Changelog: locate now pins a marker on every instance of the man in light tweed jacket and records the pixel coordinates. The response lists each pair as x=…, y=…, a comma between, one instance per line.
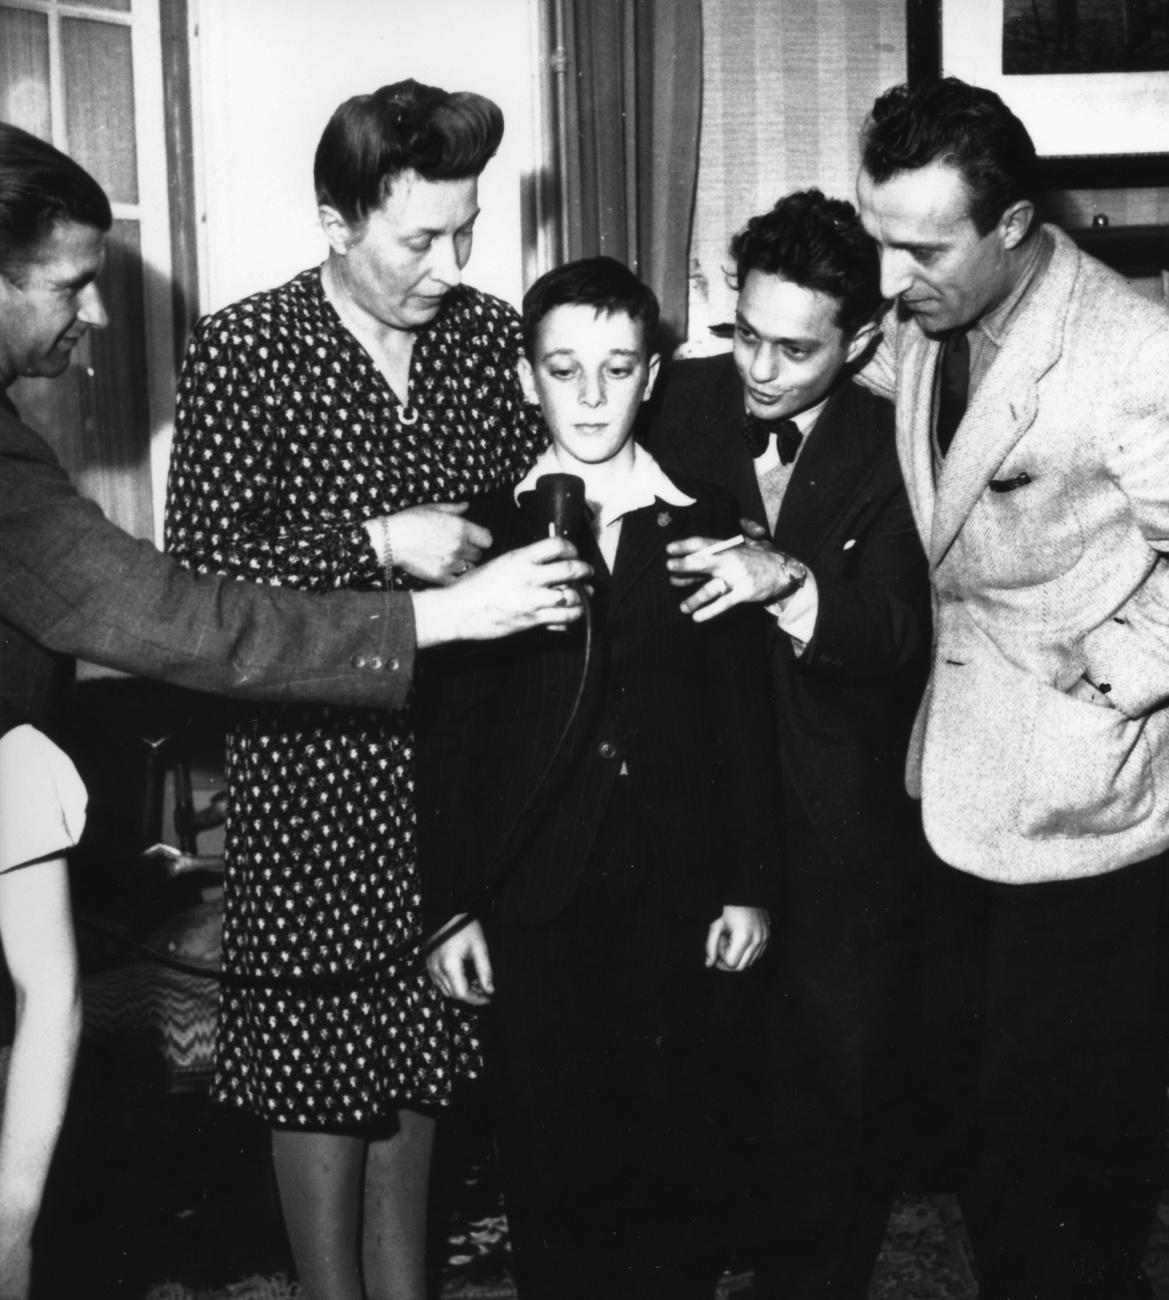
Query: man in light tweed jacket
x=1032, y=393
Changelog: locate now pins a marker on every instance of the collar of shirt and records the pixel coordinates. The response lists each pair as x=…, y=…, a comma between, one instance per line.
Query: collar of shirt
x=988, y=333
x=645, y=483
x=805, y=421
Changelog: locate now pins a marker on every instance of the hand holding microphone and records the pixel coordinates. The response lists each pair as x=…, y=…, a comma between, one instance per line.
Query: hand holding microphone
x=560, y=500
x=535, y=586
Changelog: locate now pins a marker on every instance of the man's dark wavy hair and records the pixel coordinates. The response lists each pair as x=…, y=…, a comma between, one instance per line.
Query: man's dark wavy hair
x=964, y=126
x=603, y=283
x=818, y=243
x=40, y=187
x=372, y=139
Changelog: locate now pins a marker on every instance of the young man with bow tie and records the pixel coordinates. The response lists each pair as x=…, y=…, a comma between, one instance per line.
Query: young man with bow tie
x=834, y=557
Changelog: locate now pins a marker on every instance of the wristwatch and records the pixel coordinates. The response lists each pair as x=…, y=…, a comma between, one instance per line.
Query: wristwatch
x=797, y=574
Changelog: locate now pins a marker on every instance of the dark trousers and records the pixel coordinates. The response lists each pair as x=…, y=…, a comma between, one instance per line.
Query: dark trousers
x=843, y=1022
x=607, y=1050
x=1046, y=1040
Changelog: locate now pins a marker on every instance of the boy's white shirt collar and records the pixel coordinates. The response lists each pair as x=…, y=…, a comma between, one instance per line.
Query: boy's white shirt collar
x=645, y=484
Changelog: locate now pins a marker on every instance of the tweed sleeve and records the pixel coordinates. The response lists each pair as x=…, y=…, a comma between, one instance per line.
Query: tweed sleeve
x=1129, y=651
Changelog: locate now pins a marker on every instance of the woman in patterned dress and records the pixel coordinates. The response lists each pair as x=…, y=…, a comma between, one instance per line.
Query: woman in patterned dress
x=328, y=433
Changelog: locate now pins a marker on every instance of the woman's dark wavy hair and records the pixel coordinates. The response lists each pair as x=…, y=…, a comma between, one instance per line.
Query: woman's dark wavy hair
x=818, y=243
x=39, y=188
x=964, y=126
x=603, y=283
x=372, y=139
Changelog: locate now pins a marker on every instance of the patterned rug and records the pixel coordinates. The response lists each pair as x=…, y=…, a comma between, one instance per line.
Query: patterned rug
x=926, y=1256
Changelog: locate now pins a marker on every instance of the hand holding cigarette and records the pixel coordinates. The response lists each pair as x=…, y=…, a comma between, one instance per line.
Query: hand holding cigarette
x=734, y=571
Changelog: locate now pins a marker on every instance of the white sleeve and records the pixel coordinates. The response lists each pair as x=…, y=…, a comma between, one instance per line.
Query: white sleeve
x=796, y=614
x=42, y=798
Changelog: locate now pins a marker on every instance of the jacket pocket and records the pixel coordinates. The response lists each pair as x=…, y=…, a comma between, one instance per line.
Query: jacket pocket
x=1089, y=770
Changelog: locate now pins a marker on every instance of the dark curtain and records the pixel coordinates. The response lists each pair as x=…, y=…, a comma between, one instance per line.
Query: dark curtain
x=631, y=105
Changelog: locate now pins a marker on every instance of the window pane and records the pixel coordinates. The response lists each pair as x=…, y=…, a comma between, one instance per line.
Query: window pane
x=99, y=103
x=122, y=6
x=24, y=71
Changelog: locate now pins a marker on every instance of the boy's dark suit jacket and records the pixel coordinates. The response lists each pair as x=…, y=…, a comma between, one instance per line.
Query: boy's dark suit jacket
x=684, y=707
x=846, y=706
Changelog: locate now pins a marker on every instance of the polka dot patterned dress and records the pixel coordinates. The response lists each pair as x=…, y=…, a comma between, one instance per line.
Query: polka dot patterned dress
x=287, y=438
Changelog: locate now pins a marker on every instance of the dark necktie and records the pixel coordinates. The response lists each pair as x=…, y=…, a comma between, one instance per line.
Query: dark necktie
x=953, y=388
x=757, y=434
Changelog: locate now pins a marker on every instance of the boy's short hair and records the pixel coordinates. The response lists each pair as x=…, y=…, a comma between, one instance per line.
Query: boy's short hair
x=602, y=283
x=817, y=243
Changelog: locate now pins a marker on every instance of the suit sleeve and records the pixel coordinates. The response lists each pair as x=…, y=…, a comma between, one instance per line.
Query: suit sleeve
x=745, y=757
x=879, y=374
x=79, y=585
x=453, y=730
x=872, y=620
x=1130, y=650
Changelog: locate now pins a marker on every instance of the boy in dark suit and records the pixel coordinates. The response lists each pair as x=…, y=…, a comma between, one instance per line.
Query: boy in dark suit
x=836, y=559
x=614, y=853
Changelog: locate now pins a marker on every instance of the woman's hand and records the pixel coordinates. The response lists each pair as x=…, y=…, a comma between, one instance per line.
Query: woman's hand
x=433, y=542
x=521, y=589
x=737, y=939
x=461, y=967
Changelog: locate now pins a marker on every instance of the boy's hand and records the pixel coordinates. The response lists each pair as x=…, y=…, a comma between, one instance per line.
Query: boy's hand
x=461, y=967
x=737, y=939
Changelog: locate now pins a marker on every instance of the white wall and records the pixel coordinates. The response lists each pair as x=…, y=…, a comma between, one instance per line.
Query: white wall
x=268, y=74
x=786, y=87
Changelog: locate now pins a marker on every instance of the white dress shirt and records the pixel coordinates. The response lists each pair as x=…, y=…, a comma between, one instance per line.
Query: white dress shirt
x=42, y=799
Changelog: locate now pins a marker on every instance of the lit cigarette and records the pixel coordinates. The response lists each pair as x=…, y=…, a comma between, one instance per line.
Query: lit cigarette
x=718, y=547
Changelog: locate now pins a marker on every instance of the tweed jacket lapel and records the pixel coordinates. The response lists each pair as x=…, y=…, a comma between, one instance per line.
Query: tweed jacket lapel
x=826, y=476
x=1001, y=412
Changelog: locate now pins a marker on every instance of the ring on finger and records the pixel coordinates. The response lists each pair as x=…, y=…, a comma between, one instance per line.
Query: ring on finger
x=724, y=588
x=563, y=600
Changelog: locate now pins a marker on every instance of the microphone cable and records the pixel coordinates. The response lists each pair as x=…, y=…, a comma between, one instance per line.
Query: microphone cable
x=497, y=875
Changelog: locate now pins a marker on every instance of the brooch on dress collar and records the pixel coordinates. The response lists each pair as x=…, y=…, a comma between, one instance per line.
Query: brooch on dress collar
x=665, y=519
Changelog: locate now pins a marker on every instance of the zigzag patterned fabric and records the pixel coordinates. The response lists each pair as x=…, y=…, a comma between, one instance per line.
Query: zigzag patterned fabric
x=178, y=1009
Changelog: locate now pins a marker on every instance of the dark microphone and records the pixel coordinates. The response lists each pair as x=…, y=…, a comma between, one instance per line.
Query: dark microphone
x=560, y=498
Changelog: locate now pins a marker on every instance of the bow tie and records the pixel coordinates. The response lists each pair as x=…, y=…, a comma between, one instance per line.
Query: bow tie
x=757, y=433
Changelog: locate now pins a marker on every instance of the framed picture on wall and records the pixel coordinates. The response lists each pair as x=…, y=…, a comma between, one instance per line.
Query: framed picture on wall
x=1090, y=78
